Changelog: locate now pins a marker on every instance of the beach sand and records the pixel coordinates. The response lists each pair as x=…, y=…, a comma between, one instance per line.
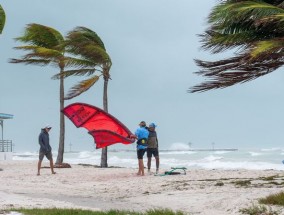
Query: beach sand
x=87, y=187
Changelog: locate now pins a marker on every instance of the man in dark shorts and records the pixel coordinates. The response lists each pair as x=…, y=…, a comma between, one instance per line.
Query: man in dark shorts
x=45, y=148
x=152, y=148
x=141, y=134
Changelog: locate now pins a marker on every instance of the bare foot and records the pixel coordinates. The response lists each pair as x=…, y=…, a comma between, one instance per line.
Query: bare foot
x=53, y=172
x=37, y=174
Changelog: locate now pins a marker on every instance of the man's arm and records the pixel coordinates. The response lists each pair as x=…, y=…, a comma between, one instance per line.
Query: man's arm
x=41, y=143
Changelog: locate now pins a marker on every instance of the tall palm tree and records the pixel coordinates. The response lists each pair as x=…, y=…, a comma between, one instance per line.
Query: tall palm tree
x=255, y=30
x=2, y=19
x=95, y=62
x=45, y=46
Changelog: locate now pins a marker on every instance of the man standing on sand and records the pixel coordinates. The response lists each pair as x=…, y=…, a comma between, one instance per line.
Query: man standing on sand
x=45, y=148
x=152, y=148
x=141, y=134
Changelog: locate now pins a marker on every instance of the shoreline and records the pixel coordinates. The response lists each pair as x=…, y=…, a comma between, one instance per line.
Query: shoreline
x=89, y=187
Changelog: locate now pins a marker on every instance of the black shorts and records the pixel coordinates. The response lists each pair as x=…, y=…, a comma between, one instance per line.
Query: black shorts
x=140, y=153
x=48, y=155
x=152, y=151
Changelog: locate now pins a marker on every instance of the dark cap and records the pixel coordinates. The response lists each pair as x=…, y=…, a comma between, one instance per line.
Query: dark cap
x=142, y=123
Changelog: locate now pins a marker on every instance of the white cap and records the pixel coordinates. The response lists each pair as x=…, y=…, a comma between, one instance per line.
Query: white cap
x=46, y=126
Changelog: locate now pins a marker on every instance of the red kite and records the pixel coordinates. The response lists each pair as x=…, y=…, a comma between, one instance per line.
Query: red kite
x=105, y=128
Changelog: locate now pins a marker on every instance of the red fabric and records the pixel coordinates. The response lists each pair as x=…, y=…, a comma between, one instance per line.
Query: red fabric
x=105, y=128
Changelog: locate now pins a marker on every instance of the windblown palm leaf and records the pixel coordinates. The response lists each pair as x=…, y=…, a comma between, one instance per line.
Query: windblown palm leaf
x=44, y=43
x=255, y=28
x=2, y=19
x=86, y=45
x=82, y=87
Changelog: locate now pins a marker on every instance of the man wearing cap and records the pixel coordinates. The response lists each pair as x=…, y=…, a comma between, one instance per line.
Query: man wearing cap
x=152, y=148
x=45, y=148
x=141, y=134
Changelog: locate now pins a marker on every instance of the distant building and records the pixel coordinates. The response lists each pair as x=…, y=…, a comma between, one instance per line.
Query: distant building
x=6, y=146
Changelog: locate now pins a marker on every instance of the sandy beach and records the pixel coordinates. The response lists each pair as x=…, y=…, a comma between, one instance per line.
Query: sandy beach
x=88, y=187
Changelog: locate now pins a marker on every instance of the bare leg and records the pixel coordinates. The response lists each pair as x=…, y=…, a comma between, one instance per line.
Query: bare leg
x=139, y=173
x=157, y=164
x=38, y=167
x=141, y=167
x=51, y=166
x=149, y=164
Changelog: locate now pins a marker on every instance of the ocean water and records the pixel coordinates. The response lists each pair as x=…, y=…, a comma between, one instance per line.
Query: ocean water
x=257, y=159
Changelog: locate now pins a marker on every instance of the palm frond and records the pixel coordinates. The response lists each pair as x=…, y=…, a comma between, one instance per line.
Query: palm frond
x=89, y=51
x=264, y=49
x=79, y=62
x=227, y=13
x=41, y=52
x=236, y=70
x=256, y=29
x=82, y=35
x=40, y=35
x=87, y=44
x=81, y=87
x=77, y=72
x=239, y=23
x=2, y=19
x=216, y=42
x=40, y=62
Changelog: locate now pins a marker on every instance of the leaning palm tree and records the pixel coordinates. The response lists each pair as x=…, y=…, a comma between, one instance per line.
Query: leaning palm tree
x=254, y=30
x=2, y=19
x=45, y=46
x=95, y=63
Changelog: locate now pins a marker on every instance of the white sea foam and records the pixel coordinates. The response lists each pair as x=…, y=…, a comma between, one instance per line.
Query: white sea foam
x=212, y=158
x=255, y=153
x=221, y=152
x=177, y=153
x=257, y=159
x=179, y=147
x=85, y=154
x=271, y=149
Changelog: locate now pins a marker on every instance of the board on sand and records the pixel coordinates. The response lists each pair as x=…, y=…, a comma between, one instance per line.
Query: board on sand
x=174, y=171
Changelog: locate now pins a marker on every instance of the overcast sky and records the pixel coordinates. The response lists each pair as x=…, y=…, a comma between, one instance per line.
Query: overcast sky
x=152, y=45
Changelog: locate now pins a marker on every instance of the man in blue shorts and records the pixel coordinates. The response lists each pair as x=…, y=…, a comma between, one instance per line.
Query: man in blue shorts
x=152, y=148
x=45, y=148
x=141, y=134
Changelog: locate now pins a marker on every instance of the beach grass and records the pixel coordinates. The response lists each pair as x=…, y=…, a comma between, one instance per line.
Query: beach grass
x=274, y=199
x=243, y=183
x=259, y=210
x=57, y=211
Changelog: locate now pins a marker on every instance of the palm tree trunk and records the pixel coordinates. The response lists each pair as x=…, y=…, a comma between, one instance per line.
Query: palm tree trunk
x=105, y=104
x=59, y=159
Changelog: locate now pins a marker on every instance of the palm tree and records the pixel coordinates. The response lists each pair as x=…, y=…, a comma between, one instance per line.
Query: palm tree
x=45, y=46
x=2, y=19
x=88, y=46
x=254, y=30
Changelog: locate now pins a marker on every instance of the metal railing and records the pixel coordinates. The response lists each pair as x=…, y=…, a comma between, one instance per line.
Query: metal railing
x=6, y=146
